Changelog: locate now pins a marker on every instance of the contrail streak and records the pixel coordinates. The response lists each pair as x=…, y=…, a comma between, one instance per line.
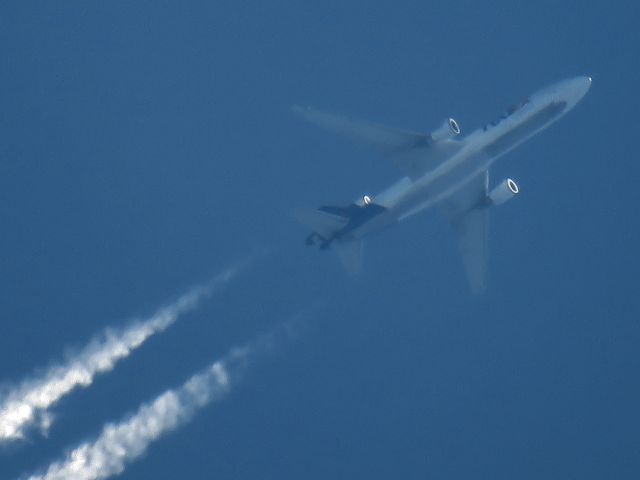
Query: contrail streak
x=27, y=404
x=121, y=443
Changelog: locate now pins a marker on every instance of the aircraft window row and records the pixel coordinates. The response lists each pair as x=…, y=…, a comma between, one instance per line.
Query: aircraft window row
x=510, y=111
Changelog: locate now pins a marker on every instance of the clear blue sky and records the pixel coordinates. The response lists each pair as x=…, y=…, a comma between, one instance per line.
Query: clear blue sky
x=145, y=145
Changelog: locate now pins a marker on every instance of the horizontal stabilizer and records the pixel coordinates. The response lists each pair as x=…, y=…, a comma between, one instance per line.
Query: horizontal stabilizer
x=350, y=254
x=323, y=223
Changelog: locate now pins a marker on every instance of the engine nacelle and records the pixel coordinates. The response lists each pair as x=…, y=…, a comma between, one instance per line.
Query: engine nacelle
x=503, y=192
x=448, y=129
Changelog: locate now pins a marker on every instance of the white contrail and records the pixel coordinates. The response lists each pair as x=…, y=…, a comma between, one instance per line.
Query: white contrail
x=27, y=404
x=121, y=443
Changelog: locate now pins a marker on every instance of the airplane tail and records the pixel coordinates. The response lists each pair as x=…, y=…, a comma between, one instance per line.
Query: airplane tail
x=324, y=226
x=323, y=223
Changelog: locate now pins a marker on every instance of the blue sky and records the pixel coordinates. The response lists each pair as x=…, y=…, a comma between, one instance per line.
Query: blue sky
x=148, y=146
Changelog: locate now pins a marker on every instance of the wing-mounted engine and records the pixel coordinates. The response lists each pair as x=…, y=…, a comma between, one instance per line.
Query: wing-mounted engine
x=448, y=129
x=506, y=190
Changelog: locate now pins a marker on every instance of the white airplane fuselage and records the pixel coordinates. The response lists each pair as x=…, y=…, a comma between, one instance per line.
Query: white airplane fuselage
x=477, y=152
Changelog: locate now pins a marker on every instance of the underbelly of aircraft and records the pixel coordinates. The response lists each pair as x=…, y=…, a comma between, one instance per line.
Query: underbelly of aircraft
x=432, y=189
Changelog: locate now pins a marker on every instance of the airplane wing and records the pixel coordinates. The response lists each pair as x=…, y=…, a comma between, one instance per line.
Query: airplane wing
x=414, y=153
x=469, y=220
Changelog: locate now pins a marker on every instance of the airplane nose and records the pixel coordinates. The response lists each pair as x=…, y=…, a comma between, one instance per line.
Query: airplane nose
x=573, y=90
x=586, y=82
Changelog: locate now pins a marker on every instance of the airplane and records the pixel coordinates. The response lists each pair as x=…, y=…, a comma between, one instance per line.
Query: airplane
x=439, y=170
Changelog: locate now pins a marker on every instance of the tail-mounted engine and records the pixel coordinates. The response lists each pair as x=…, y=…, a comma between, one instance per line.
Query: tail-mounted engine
x=506, y=190
x=448, y=129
